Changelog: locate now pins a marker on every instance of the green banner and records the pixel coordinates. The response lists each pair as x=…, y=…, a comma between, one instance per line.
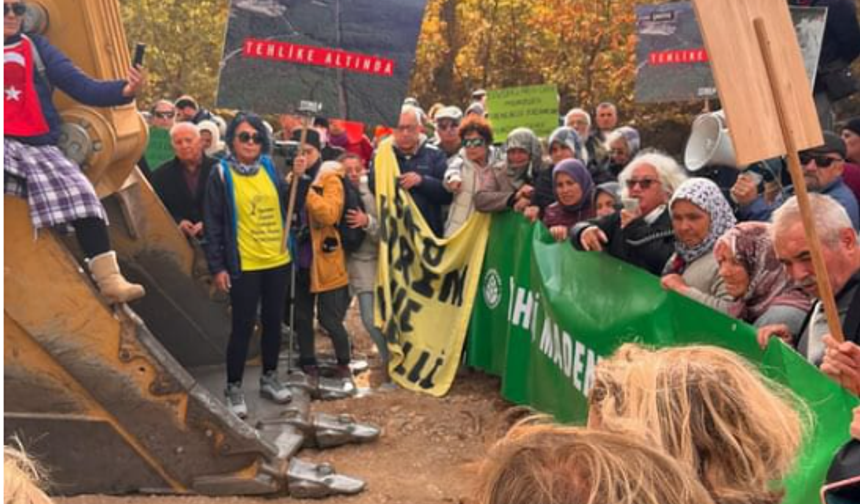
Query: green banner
x=159, y=149
x=546, y=314
x=533, y=107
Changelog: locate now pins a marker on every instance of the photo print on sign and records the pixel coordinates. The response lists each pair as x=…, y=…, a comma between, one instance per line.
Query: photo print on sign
x=354, y=57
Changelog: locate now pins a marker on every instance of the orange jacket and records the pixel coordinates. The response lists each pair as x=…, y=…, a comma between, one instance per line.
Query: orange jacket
x=324, y=205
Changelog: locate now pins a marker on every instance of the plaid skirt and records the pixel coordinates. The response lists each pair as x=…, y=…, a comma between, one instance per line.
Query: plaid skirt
x=56, y=190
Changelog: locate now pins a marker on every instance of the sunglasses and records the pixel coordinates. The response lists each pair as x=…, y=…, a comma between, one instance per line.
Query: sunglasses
x=246, y=137
x=17, y=8
x=474, y=142
x=164, y=115
x=821, y=160
x=643, y=183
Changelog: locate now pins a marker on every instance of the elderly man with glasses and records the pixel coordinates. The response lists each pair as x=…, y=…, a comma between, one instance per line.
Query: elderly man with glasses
x=822, y=166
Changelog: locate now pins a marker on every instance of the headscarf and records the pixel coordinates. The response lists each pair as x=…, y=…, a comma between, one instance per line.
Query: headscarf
x=579, y=173
x=631, y=135
x=751, y=245
x=706, y=195
x=569, y=138
x=524, y=138
x=213, y=129
x=613, y=189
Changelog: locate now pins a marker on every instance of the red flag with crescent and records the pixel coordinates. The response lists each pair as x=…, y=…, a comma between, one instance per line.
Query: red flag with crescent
x=22, y=111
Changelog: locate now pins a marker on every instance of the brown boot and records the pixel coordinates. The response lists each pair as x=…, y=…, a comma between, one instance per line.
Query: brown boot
x=113, y=286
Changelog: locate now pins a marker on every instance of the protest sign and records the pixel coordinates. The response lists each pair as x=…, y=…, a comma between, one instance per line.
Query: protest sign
x=159, y=150
x=355, y=57
x=545, y=315
x=533, y=107
x=425, y=285
x=671, y=60
x=748, y=90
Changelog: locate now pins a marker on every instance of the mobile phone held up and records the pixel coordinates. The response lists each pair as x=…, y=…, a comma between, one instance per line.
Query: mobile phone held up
x=139, y=51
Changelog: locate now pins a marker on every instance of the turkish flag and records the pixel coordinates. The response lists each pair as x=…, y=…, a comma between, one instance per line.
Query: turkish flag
x=22, y=111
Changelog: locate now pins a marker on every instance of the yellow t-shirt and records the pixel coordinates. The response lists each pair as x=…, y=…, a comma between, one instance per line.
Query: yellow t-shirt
x=260, y=227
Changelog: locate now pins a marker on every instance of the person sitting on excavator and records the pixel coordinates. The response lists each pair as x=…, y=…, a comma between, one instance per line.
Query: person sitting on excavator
x=56, y=190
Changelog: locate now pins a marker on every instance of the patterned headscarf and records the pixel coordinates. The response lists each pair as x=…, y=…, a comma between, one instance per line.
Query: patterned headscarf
x=751, y=245
x=706, y=195
x=579, y=173
x=524, y=138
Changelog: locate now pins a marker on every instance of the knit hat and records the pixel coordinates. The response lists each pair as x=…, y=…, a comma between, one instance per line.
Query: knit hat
x=853, y=126
x=312, y=138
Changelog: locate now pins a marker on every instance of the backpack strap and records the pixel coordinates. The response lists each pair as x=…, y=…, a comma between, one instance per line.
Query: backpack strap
x=38, y=62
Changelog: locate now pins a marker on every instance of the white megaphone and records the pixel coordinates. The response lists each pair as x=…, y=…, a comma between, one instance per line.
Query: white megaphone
x=709, y=143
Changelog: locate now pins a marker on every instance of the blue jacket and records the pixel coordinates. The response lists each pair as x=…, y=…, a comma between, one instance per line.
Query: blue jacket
x=219, y=216
x=62, y=73
x=759, y=210
x=430, y=195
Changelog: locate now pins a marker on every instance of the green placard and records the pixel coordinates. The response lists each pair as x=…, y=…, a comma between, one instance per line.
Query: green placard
x=159, y=150
x=533, y=107
x=545, y=314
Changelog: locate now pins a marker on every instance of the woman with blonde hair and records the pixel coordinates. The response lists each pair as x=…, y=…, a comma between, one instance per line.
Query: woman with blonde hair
x=22, y=479
x=707, y=407
x=549, y=464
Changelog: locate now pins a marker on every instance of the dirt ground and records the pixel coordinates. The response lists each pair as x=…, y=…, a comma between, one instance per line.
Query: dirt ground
x=427, y=452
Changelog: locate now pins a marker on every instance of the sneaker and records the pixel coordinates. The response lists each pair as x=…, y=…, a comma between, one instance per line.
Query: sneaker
x=236, y=400
x=272, y=389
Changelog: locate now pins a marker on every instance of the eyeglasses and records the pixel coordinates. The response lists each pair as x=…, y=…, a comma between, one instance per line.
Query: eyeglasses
x=246, y=137
x=474, y=142
x=17, y=8
x=447, y=125
x=643, y=183
x=821, y=160
x=164, y=115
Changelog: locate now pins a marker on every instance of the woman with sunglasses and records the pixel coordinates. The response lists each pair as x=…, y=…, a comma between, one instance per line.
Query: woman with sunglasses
x=463, y=179
x=641, y=233
x=56, y=190
x=244, y=219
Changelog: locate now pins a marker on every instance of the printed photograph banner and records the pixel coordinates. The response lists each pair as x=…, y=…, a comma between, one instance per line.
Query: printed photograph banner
x=425, y=285
x=354, y=57
x=543, y=323
x=672, y=63
x=533, y=107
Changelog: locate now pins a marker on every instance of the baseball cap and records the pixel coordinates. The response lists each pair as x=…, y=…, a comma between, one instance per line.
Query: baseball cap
x=833, y=144
x=453, y=113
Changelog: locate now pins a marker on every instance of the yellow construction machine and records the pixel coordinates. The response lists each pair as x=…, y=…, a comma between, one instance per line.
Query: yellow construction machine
x=127, y=398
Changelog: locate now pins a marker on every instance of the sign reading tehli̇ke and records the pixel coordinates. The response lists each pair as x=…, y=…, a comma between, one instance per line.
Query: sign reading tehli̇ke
x=353, y=57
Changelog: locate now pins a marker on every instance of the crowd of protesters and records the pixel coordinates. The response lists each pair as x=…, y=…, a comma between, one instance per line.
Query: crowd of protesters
x=716, y=429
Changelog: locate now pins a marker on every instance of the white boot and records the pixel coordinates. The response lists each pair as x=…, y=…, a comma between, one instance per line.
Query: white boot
x=113, y=286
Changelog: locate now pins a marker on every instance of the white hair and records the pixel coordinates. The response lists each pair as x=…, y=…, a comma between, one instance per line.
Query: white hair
x=579, y=111
x=669, y=172
x=415, y=111
x=178, y=127
x=828, y=216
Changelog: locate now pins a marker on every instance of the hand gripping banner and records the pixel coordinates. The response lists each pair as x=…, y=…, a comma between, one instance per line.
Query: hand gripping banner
x=425, y=284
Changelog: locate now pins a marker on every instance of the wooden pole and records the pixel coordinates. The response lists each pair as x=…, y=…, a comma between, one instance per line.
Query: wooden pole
x=294, y=187
x=825, y=290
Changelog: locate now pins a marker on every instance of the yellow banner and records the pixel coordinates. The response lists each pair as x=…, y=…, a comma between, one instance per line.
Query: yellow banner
x=425, y=286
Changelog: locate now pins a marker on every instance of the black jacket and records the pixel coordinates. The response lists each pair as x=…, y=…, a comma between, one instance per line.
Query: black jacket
x=169, y=182
x=640, y=244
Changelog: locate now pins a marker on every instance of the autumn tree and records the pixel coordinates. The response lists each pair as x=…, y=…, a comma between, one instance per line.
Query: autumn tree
x=184, y=43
